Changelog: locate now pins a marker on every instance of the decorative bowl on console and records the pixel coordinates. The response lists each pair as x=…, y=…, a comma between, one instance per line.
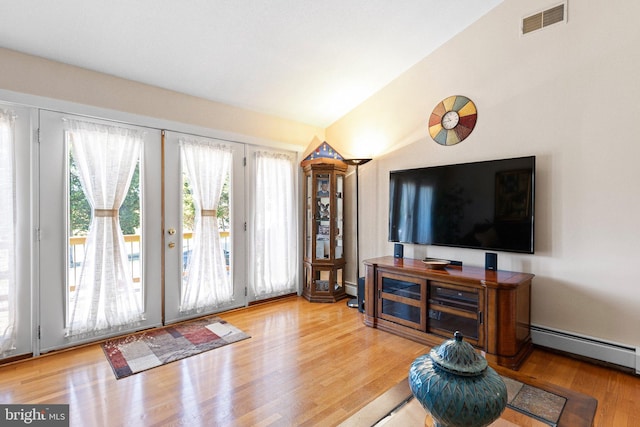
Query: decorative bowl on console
x=435, y=263
x=456, y=385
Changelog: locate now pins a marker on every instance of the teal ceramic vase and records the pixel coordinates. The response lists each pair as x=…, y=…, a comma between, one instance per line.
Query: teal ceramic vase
x=458, y=388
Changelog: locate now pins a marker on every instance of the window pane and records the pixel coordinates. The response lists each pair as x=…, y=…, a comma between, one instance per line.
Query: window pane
x=80, y=219
x=188, y=223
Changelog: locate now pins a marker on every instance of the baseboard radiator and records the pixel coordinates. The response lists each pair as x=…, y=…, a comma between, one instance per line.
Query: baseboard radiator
x=593, y=348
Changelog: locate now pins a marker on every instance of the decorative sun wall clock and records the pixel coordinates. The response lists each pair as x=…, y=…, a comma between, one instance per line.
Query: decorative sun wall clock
x=452, y=120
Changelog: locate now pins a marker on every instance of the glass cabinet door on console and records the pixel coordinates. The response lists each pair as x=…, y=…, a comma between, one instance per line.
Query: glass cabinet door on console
x=456, y=308
x=402, y=299
x=324, y=230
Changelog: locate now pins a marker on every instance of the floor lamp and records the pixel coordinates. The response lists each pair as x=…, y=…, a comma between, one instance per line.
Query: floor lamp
x=353, y=302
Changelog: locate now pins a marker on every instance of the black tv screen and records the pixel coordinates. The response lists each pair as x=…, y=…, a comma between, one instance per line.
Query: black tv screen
x=483, y=205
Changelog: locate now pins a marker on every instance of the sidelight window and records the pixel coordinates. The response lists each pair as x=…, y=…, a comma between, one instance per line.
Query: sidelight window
x=8, y=289
x=274, y=226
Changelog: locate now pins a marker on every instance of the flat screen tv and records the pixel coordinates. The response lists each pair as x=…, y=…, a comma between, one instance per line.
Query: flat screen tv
x=486, y=205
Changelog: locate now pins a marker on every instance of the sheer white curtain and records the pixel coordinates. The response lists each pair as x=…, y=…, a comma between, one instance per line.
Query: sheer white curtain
x=106, y=157
x=8, y=284
x=274, y=225
x=206, y=163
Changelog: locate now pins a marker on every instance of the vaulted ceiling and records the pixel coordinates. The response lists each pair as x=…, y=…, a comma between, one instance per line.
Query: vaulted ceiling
x=309, y=61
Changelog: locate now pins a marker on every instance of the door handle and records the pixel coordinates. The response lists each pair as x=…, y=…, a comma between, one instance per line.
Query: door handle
x=171, y=231
x=172, y=245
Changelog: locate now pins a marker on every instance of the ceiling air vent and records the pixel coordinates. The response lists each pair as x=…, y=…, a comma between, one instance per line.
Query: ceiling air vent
x=544, y=19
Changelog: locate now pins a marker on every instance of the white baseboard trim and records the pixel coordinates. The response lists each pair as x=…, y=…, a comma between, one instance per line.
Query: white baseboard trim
x=351, y=288
x=593, y=348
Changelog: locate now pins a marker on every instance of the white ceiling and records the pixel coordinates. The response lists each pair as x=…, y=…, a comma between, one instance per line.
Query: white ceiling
x=309, y=61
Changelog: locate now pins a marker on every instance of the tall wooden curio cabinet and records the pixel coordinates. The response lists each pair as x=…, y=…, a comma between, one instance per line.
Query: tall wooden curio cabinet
x=324, y=257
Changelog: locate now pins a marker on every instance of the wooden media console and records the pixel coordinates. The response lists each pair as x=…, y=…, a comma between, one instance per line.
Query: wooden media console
x=492, y=309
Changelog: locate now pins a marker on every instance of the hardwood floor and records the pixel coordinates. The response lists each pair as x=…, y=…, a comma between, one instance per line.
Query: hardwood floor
x=306, y=364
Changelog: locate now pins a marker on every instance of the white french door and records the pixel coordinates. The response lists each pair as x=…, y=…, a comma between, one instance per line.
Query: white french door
x=16, y=308
x=97, y=255
x=204, y=238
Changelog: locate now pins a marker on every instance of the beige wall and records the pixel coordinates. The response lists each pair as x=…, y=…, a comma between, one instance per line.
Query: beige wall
x=31, y=75
x=569, y=95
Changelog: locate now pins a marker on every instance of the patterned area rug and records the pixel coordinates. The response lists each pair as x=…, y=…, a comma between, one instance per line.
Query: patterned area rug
x=141, y=351
x=534, y=402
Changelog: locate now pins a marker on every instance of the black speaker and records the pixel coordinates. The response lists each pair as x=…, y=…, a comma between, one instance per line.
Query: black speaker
x=491, y=261
x=361, y=294
x=398, y=250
